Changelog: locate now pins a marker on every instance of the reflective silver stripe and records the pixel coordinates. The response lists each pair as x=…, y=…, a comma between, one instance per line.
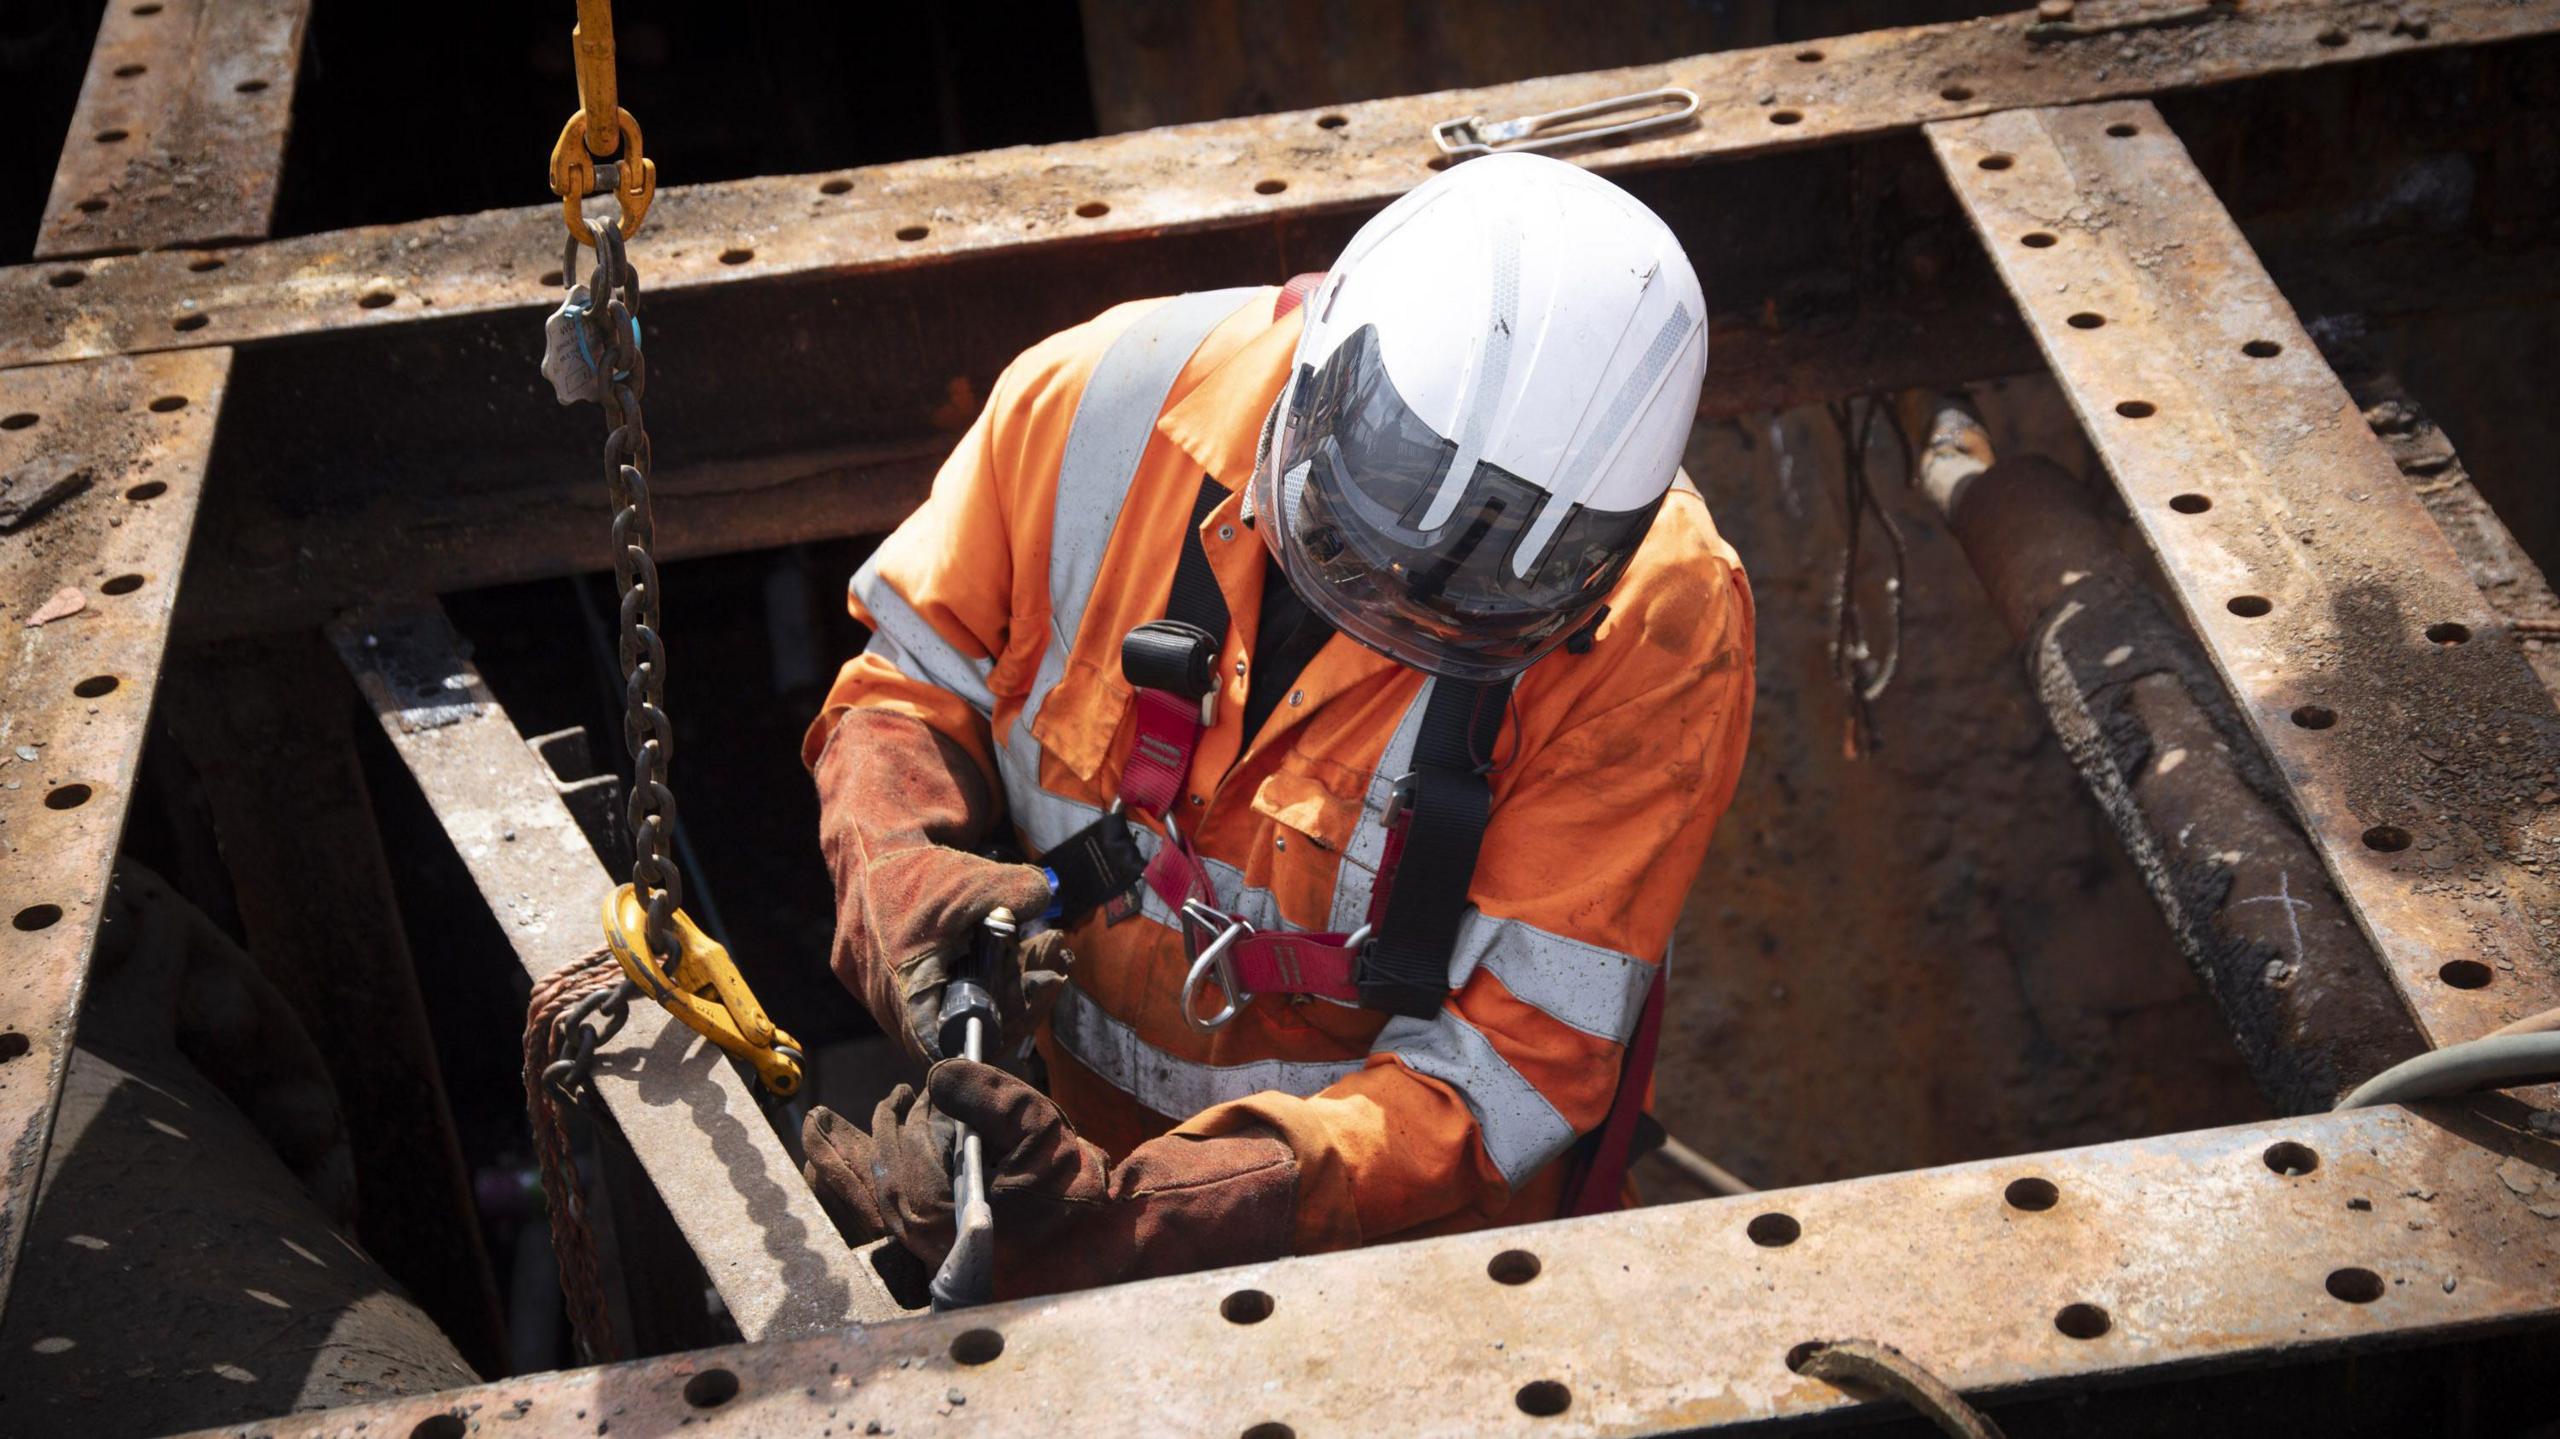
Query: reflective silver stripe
x=1596, y=449
x=1521, y=1130
x=1598, y=991
x=1492, y=367
x=919, y=651
x=1359, y=868
x=1115, y=417
x=1173, y=1087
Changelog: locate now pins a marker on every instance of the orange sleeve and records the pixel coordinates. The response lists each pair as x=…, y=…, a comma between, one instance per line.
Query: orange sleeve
x=1598, y=829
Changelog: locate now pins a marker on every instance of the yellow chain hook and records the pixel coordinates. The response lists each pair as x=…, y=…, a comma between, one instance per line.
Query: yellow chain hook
x=706, y=992
x=596, y=130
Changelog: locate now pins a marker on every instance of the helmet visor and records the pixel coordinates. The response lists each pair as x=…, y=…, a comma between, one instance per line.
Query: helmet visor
x=1342, y=493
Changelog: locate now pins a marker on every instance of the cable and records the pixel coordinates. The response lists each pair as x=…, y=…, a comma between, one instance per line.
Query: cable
x=1700, y=1170
x=2497, y=1062
x=1866, y=1369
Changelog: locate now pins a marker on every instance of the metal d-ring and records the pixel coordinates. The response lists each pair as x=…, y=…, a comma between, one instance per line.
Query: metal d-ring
x=1214, y=956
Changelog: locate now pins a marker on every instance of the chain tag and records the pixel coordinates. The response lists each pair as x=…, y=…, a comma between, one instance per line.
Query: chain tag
x=566, y=347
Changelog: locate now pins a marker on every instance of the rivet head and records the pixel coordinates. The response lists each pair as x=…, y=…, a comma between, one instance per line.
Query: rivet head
x=1280, y=842
x=1297, y=697
x=1226, y=532
x=1239, y=667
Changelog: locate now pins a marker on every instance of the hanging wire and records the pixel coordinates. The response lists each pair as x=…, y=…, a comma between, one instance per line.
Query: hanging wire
x=1864, y=669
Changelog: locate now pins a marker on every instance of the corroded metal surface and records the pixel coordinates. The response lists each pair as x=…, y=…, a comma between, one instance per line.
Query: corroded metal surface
x=2114, y=1263
x=770, y=1252
x=1232, y=174
x=178, y=138
x=2411, y=733
x=122, y=443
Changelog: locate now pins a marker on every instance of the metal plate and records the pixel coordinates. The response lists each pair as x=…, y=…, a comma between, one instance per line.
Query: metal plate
x=2414, y=737
x=178, y=138
x=1680, y=1318
x=1230, y=174
x=75, y=693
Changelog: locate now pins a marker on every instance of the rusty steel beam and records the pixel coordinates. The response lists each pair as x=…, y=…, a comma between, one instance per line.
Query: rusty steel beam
x=2117, y=1264
x=1223, y=175
x=102, y=467
x=768, y=1249
x=2405, y=723
x=178, y=137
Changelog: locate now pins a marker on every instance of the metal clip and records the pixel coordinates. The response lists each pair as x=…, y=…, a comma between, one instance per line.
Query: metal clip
x=1213, y=957
x=1475, y=135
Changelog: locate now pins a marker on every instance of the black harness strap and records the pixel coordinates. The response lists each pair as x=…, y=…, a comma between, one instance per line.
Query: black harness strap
x=1406, y=969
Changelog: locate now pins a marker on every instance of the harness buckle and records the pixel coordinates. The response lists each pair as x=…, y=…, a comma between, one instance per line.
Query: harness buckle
x=1196, y=918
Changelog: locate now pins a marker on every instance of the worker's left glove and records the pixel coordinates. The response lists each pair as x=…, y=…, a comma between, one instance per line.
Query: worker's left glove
x=1066, y=1217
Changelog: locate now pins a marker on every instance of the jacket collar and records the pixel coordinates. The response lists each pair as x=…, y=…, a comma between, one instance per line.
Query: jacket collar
x=1220, y=421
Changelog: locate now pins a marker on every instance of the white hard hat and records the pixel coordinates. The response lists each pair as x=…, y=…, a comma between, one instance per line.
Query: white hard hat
x=1487, y=405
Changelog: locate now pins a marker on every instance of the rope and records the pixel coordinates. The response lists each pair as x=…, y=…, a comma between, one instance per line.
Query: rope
x=559, y=1045
x=1865, y=1369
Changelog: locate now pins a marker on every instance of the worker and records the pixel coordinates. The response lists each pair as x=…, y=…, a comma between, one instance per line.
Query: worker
x=1363, y=680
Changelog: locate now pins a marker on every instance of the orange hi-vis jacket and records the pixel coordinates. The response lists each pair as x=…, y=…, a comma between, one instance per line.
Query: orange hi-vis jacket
x=997, y=612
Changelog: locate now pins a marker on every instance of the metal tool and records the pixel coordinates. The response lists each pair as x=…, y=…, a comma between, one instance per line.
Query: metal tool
x=967, y=1275
x=1475, y=135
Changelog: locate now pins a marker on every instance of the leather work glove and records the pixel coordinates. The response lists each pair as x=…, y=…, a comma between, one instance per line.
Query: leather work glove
x=1066, y=1217
x=900, y=807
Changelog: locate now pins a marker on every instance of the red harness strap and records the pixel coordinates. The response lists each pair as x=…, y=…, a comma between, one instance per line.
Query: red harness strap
x=1601, y=1187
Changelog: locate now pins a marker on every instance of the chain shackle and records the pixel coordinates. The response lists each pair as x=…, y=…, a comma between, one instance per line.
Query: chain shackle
x=599, y=130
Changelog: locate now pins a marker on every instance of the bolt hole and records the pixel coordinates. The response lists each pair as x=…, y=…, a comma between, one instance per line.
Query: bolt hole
x=1996, y=162
x=2123, y=130
x=2136, y=409
x=2315, y=716
x=736, y=256
x=1514, y=1266
x=2448, y=632
x=1332, y=122
x=711, y=1388
x=434, y=1426
x=13, y=1045
x=185, y=323
x=977, y=1346
x=121, y=585
x=2038, y=240
x=1774, y=1231
x=2191, y=504
x=127, y=72
x=168, y=404
x=2082, y=1321
x=38, y=916
x=114, y=137
x=2355, y=1286
x=19, y=421
x=2386, y=838
x=206, y=265
x=249, y=87
x=1958, y=93
x=66, y=796
x=375, y=300
x=2290, y=1159
x=1246, y=1306
x=1439, y=162
x=2262, y=349
x=2033, y=1195
x=1802, y=1354
x=1808, y=57
x=837, y=186
x=1786, y=117
x=1269, y=187
x=2465, y=974
x=2086, y=320
x=2249, y=607
x=150, y=9
x=2332, y=37
x=147, y=490
x=1093, y=209
x=1272, y=1429
x=65, y=279
x=912, y=233
x=90, y=206
x=96, y=687
x=554, y=278
x=1543, y=1398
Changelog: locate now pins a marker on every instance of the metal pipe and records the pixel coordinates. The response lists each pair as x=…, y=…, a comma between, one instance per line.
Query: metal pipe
x=2150, y=727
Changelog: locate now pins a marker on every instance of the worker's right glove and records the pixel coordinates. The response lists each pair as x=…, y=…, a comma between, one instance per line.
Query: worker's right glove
x=900, y=808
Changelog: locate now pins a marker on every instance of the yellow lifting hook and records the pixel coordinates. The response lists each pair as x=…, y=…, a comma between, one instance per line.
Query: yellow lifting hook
x=592, y=134
x=706, y=991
